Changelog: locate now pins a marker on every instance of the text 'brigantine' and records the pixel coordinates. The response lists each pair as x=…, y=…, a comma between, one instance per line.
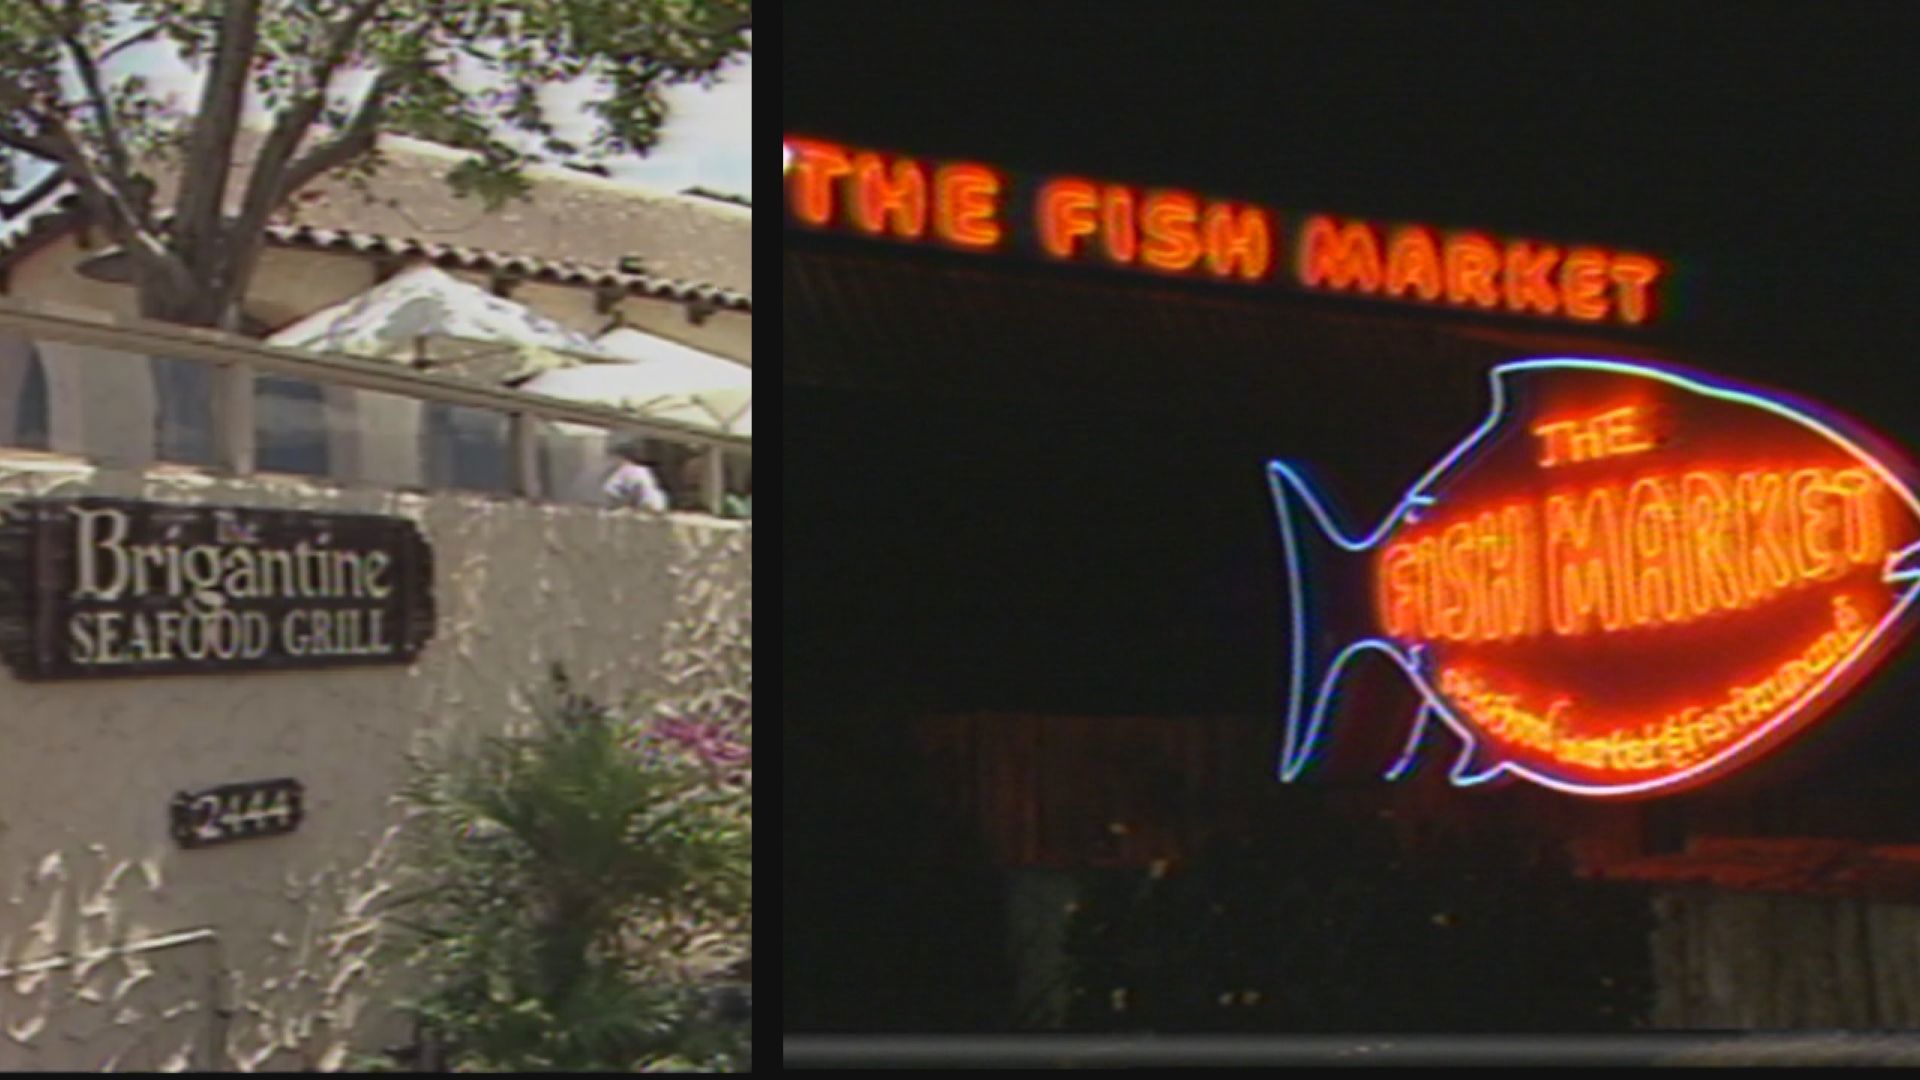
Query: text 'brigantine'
x=113, y=587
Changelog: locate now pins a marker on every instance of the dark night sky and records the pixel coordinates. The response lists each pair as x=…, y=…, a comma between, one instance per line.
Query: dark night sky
x=1770, y=151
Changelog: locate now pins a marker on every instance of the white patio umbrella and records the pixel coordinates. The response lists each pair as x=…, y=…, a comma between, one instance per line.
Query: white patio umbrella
x=665, y=380
x=424, y=314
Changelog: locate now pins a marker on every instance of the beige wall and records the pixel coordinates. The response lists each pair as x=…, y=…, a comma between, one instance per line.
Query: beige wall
x=290, y=284
x=87, y=768
x=48, y=276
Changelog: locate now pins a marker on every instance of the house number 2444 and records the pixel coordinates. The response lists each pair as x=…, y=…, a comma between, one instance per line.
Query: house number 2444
x=236, y=812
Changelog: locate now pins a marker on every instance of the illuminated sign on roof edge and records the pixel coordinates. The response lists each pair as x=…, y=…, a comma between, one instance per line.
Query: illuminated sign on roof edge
x=969, y=206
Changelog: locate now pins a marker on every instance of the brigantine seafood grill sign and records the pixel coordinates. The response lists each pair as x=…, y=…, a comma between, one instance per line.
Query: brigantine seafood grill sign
x=94, y=587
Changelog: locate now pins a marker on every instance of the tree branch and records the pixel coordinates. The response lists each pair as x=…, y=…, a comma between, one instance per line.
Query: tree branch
x=272, y=179
x=209, y=154
x=116, y=148
x=267, y=184
x=356, y=138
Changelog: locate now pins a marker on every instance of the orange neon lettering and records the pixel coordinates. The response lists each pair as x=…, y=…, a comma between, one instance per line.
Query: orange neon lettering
x=816, y=166
x=1238, y=237
x=1472, y=262
x=1812, y=500
x=1400, y=591
x=1583, y=284
x=880, y=200
x=1715, y=543
x=1120, y=237
x=1632, y=274
x=967, y=205
x=1624, y=432
x=1527, y=285
x=1505, y=555
x=1607, y=434
x=1339, y=258
x=1066, y=214
x=1658, y=550
x=1413, y=262
x=1170, y=223
x=1655, y=584
x=1866, y=542
x=1763, y=512
x=1582, y=549
x=1458, y=621
x=1553, y=438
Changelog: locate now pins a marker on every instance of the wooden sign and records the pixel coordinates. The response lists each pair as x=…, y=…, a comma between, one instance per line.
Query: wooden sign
x=236, y=812
x=100, y=587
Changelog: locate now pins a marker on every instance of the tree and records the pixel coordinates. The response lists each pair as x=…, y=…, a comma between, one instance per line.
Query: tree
x=332, y=75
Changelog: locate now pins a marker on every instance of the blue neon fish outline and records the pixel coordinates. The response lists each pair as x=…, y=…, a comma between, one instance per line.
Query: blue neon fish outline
x=1303, y=729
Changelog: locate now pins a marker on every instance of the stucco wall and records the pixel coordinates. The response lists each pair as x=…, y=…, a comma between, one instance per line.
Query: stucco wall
x=628, y=602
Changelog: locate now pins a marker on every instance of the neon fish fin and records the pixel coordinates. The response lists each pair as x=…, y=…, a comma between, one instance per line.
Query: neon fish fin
x=1321, y=636
x=1415, y=734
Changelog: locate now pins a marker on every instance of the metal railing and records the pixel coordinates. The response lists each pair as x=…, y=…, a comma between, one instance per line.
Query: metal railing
x=235, y=362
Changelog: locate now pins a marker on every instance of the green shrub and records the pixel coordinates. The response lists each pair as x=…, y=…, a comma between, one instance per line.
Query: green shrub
x=581, y=886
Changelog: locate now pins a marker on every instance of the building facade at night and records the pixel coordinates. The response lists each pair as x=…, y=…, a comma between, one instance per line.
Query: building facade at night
x=1065, y=392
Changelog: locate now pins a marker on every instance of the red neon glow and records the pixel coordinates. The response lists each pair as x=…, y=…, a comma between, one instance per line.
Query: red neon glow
x=1413, y=262
x=1632, y=276
x=1067, y=212
x=1583, y=284
x=1339, y=256
x=816, y=167
x=1616, y=431
x=1121, y=236
x=1636, y=578
x=1170, y=231
x=1170, y=222
x=1473, y=261
x=1529, y=286
x=895, y=199
x=1238, y=240
x=967, y=205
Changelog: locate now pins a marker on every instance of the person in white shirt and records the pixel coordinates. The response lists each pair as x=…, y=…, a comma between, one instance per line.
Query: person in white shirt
x=632, y=482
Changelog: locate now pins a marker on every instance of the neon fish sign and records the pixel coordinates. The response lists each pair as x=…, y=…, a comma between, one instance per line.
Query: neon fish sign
x=1626, y=581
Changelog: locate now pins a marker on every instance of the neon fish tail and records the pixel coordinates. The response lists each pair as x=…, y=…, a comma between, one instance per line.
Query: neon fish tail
x=1323, y=637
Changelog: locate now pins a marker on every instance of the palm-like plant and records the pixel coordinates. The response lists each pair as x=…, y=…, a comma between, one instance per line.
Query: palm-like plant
x=571, y=874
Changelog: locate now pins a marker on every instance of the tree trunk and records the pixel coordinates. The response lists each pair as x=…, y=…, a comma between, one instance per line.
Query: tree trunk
x=200, y=307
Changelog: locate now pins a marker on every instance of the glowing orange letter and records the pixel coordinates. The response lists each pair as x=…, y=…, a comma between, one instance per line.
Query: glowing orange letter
x=1526, y=278
x=1066, y=213
x=1583, y=559
x=903, y=198
x=1238, y=238
x=1583, y=284
x=1400, y=591
x=1710, y=521
x=1169, y=220
x=816, y=165
x=1120, y=237
x=966, y=204
x=1632, y=274
x=1413, y=263
x=1339, y=257
x=1472, y=261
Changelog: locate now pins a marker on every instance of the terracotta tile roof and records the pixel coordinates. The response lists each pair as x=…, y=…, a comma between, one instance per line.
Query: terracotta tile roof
x=1817, y=867
x=576, y=228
